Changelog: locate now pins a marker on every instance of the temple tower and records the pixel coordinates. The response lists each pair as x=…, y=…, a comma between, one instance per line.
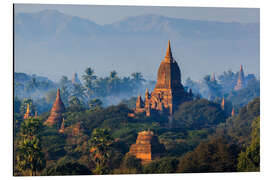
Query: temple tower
x=232, y=113
x=241, y=80
x=27, y=113
x=168, y=92
x=147, y=147
x=75, y=79
x=62, y=128
x=56, y=111
x=222, y=104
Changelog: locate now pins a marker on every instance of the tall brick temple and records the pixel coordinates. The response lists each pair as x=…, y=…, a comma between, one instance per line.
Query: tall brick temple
x=169, y=92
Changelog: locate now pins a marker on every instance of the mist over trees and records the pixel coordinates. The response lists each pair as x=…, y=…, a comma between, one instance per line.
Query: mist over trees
x=205, y=136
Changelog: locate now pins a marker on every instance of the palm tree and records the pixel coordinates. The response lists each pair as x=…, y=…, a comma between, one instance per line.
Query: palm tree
x=29, y=156
x=100, y=150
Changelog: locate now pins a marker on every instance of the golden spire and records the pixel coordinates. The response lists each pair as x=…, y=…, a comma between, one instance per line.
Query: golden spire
x=232, y=114
x=223, y=103
x=27, y=113
x=27, y=110
x=168, y=57
x=62, y=128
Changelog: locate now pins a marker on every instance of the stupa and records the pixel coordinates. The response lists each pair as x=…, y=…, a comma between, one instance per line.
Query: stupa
x=147, y=147
x=56, y=112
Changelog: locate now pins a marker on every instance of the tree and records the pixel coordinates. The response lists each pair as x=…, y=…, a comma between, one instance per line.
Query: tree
x=198, y=114
x=164, y=165
x=100, y=150
x=89, y=79
x=129, y=165
x=249, y=160
x=219, y=154
x=29, y=156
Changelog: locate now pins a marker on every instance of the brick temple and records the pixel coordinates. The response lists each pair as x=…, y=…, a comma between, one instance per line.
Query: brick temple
x=56, y=112
x=168, y=93
x=147, y=147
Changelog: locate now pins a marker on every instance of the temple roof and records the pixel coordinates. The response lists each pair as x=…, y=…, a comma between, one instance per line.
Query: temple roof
x=169, y=74
x=58, y=105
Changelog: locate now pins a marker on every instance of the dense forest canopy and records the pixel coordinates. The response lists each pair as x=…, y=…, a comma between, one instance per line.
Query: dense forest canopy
x=98, y=132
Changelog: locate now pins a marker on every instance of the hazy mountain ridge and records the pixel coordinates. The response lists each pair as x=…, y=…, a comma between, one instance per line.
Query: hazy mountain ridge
x=55, y=43
x=51, y=22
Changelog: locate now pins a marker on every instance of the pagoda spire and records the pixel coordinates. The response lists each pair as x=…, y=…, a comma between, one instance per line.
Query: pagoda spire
x=62, y=128
x=27, y=113
x=232, y=113
x=168, y=57
x=223, y=104
x=213, y=78
x=241, y=80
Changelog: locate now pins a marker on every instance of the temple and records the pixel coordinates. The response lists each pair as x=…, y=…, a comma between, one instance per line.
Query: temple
x=56, y=112
x=27, y=113
x=75, y=79
x=62, y=128
x=147, y=147
x=222, y=104
x=168, y=94
x=241, y=83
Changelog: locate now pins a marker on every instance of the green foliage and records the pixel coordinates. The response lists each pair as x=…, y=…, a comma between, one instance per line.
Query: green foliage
x=164, y=165
x=242, y=97
x=67, y=168
x=249, y=160
x=216, y=155
x=100, y=150
x=239, y=126
x=198, y=114
x=130, y=165
x=53, y=143
x=29, y=156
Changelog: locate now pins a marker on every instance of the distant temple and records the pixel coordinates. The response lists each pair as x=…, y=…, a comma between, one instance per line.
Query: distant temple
x=168, y=94
x=222, y=104
x=75, y=79
x=147, y=147
x=62, y=128
x=232, y=113
x=27, y=113
x=241, y=82
x=56, y=111
x=213, y=78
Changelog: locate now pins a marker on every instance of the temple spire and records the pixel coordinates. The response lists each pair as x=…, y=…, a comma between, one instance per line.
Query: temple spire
x=241, y=80
x=232, y=113
x=27, y=113
x=168, y=57
x=223, y=104
x=213, y=78
x=62, y=128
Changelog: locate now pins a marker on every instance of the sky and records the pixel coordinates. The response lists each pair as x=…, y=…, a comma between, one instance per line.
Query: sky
x=117, y=13
x=227, y=55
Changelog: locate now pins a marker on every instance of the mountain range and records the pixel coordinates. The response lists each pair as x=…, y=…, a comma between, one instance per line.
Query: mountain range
x=52, y=43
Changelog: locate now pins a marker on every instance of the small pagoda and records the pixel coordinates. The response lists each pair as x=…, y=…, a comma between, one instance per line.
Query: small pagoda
x=147, y=147
x=57, y=110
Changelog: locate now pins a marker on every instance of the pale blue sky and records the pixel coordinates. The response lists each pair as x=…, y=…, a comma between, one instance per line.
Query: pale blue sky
x=110, y=14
